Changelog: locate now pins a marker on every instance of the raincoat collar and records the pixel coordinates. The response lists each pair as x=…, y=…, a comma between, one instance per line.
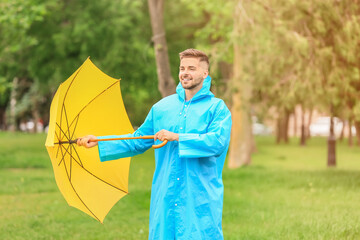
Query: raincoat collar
x=204, y=91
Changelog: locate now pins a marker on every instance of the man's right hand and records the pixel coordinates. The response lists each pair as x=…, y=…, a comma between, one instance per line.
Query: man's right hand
x=84, y=141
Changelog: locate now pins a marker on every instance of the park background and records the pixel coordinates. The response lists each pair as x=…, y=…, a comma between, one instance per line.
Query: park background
x=278, y=64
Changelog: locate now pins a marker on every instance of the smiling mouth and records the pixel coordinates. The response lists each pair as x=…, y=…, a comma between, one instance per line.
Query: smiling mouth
x=186, y=80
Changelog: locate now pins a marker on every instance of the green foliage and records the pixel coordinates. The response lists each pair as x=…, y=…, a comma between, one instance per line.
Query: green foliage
x=16, y=18
x=215, y=27
x=356, y=111
x=60, y=35
x=292, y=52
x=4, y=91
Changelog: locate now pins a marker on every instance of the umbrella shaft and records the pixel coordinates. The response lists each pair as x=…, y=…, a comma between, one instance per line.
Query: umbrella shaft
x=107, y=139
x=122, y=138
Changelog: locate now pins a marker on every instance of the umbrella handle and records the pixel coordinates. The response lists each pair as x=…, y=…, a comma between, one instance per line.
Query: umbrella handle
x=160, y=145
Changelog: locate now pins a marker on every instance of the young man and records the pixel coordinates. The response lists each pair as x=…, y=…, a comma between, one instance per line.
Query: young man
x=187, y=189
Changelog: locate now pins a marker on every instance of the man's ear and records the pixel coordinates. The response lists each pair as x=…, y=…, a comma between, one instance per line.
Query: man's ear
x=205, y=67
x=206, y=73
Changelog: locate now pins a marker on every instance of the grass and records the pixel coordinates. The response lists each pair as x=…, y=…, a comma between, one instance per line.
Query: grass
x=287, y=193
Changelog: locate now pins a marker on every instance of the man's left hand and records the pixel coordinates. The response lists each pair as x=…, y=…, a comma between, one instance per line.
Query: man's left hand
x=164, y=134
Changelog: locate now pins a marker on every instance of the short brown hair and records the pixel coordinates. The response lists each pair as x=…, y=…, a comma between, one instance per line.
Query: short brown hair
x=191, y=52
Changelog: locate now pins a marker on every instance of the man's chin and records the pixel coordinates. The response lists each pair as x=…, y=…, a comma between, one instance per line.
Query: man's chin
x=189, y=87
x=186, y=86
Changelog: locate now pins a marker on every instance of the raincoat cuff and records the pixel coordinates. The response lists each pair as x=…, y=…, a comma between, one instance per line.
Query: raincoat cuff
x=103, y=150
x=186, y=142
x=113, y=150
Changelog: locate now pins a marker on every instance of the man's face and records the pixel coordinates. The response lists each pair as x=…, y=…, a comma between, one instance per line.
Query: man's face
x=192, y=73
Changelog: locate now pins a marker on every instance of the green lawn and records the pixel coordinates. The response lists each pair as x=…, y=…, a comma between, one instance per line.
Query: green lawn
x=287, y=193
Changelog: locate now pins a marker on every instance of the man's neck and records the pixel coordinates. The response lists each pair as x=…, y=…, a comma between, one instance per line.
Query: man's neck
x=189, y=94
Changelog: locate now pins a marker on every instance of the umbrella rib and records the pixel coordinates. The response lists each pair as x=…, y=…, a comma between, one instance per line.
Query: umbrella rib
x=102, y=179
x=77, y=156
x=88, y=170
x=67, y=122
x=67, y=173
x=62, y=107
x=71, y=137
x=92, y=101
x=105, y=181
x=84, y=202
x=67, y=151
x=77, y=193
x=67, y=90
x=71, y=157
x=63, y=158
x=70, y=153
x=57, y=152
x=77, y=120
x=63, y=132
x=62, y=154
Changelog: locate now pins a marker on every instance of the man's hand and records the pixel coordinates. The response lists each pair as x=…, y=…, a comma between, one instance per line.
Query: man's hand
x=164, y=134
x=84, y=141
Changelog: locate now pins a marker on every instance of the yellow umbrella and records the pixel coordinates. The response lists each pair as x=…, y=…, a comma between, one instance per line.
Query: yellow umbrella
x=88, y=102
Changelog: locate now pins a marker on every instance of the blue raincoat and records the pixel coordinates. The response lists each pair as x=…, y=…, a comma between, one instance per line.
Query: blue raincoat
x=187, y=188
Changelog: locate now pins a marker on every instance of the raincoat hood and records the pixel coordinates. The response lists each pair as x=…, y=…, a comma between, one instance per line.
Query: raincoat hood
x=204, y=91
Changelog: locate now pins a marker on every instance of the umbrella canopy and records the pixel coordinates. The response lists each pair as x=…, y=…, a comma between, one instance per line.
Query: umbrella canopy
x=88, y=102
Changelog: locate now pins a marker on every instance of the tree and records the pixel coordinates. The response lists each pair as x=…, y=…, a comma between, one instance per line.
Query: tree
x=16, y=20
x=222, y=35
x=115, y=34
x=241, y=138
x=166, y=83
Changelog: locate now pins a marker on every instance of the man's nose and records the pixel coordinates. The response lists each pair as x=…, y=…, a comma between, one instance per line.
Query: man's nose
x=185, y=75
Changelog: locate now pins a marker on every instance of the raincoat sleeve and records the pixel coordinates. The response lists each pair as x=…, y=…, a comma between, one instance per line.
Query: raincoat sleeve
x=111, y=150
x=212, y=143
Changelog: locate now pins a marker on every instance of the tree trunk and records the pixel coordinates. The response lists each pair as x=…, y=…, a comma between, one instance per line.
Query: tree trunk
x=286, y=127
x=13, y=96
x=166, y=83
x=350, y=141
x=2, y=118
x=308, y=133
x=226, y=70
x=341, y=138
x=303, y=132
x=278, y=130
x=331, y=145
x=241, y=140
x=357, y=127
x=241, y=144
x=35, y=115
x=295, y=123
x=283, y=127
x=253, y=143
